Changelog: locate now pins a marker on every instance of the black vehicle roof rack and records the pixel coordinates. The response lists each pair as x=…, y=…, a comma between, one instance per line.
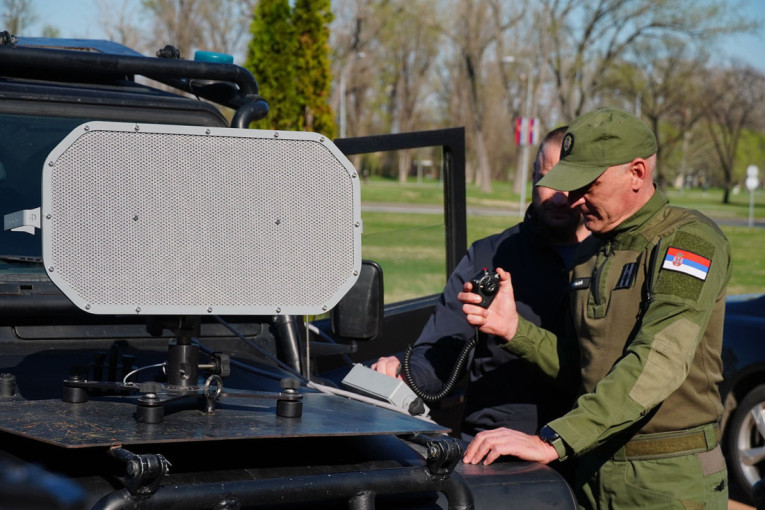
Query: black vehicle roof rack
x=228, y=85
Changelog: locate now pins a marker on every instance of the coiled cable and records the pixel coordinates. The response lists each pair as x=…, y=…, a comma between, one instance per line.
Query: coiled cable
x=454, y=376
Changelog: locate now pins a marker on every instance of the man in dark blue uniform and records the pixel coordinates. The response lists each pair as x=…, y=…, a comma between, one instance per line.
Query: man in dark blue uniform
x=504, y=390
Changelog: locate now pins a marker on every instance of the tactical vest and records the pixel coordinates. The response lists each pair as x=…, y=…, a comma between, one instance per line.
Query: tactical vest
x=629, y=292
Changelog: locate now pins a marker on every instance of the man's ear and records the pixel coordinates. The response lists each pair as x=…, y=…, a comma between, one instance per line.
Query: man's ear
x=639, y=172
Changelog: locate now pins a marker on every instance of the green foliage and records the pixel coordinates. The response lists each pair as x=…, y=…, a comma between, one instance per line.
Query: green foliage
x=311, y=20
x=271, y=58
x=289, y=56
x=751, y=151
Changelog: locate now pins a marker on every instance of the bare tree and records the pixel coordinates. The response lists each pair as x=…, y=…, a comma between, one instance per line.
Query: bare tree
x=476, y=26
x=412, y=49
x=358, y=53
x=17, y=14
x=226, y=23
x=119, y=24
x=588, y=37
x=661, y=83
x=734, y=102
x=177, y=22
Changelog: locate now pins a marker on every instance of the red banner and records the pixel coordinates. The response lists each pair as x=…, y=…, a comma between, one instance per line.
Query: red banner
x=526, y=131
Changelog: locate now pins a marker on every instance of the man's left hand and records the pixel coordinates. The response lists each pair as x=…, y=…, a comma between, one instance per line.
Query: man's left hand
x=490, y=444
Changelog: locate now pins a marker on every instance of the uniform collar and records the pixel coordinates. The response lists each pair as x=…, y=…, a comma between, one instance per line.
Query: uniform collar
x=656, y=203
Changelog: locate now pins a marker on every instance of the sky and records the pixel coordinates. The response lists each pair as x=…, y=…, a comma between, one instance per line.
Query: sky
x=80, y=19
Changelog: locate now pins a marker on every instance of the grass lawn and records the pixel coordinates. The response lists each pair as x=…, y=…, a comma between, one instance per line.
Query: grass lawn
x=411, y=247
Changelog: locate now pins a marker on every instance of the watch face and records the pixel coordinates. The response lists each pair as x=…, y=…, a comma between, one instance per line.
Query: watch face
x=547, y=434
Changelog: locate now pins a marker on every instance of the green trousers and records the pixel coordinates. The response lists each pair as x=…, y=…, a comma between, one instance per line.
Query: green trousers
x=682, y=481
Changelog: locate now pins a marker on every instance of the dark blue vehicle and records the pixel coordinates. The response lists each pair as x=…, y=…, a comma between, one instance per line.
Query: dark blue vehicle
x=743, y=390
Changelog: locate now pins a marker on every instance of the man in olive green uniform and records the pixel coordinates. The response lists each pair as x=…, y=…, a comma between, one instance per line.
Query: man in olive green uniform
x=647, y=315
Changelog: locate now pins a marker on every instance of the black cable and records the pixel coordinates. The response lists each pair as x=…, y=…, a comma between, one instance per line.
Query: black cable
x=454, y=376
x=486, y=284
x=261, y=350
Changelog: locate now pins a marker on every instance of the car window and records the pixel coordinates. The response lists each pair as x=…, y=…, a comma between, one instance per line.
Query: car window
x=25, y=142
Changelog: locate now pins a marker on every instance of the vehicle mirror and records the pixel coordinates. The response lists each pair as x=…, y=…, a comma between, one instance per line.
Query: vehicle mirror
x=358, y=315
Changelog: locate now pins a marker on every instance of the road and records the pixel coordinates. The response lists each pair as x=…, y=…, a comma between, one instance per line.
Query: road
x=510, y=211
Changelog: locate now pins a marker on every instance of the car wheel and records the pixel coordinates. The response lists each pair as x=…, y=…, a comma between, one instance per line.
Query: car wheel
x=745, y=441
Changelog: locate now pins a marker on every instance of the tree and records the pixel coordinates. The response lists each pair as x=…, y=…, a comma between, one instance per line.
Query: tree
x=588, y=37
x=751, y=151
x=225, y=23
x=476, y=26
x=311, y=20
x=177, y=23
x=51, y=31
x=734, y=103
x=289, y=56
x=271, y=58
x=355, y=53
x=662, y=82
x=411, y=50
x=117, y=22
x=17, y=14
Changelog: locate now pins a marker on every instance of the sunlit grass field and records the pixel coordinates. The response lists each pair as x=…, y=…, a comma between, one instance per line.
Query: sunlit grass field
x=410, y=246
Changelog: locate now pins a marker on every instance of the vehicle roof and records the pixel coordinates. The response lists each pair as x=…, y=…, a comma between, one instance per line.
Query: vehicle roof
x=89, y=64
x=94, y=45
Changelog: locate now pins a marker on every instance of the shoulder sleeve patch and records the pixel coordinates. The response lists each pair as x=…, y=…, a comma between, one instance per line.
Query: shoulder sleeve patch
x=684, y=266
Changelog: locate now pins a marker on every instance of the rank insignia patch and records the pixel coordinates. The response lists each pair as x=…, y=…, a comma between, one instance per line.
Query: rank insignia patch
x=686, y=262
x=627, y=277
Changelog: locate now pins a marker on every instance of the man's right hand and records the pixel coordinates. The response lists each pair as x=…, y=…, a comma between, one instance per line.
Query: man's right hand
x=389, y=365
x=501, y=317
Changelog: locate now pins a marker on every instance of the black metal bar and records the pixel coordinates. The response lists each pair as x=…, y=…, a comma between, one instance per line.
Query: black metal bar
x=289, y=341
x=25, y=61
x=364, y=500
x=298, y=489
x=452, y=140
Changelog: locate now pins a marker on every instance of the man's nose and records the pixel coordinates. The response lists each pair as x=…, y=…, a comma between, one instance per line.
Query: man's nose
x=574, y=199
x=560, y=198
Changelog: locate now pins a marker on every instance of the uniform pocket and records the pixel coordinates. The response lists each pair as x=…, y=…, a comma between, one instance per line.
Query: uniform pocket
x=689, y=482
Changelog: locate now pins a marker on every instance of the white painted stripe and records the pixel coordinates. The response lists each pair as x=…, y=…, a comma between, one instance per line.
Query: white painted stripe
x=701, y=275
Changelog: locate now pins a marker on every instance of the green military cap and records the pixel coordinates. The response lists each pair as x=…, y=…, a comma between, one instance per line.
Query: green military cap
x=595, y=141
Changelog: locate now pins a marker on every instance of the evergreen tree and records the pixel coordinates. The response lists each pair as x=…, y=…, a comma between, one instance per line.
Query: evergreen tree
x=311, y=19
x=289, y=56
x=271, y=58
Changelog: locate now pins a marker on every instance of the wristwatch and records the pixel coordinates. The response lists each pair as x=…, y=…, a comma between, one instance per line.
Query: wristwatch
x=549, y=436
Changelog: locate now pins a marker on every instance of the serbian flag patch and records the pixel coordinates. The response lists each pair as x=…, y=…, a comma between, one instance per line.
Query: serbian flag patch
x=686, y=262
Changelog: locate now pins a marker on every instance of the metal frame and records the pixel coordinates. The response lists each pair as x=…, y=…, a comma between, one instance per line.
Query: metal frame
x=452, y=141
x=359, y=488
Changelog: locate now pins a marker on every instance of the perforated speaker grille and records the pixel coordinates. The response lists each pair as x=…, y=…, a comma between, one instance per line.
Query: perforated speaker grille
x=187, y=220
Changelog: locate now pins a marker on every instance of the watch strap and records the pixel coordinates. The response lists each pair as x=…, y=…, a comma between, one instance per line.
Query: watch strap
x=549, y=436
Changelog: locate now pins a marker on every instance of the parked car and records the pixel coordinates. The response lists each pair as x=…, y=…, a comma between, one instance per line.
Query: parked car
x=743, y=391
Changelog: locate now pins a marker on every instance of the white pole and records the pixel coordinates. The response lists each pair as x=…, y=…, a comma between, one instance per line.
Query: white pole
x=751, y=207
x=342, y=100
x=524, y=139
x=751, y=183
x=526, y=144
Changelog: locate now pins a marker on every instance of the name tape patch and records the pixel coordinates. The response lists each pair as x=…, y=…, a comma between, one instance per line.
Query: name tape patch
x=686, y=262
x=580, y=283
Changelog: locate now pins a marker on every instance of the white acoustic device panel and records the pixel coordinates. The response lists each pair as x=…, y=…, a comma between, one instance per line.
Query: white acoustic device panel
x=158, y=219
